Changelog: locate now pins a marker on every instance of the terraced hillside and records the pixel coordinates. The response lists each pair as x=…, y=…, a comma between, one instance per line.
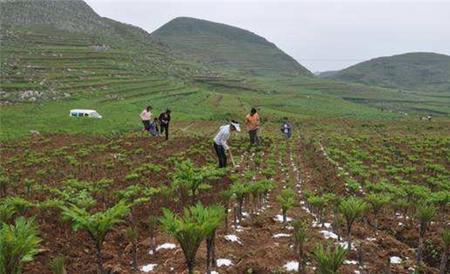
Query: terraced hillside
x=414, y=71
x=226, y=48
x=59, y=49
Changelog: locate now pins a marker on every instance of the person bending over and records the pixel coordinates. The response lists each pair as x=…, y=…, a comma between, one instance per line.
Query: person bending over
x=220, y=141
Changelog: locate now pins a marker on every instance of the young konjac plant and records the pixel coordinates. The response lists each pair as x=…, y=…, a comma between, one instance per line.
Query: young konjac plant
x=352, y=209
x=18, y=245
x=152, y=228
x=424, y=215
x=190, y=229
x=239, y=191
x=133, y=237
x=300, y=237
x=287, y=201
x=377, y=202
x=98, y=225
x=445, y=250
x=318, y=203
x=58, y=265
x=216, y=217
x=329, y=260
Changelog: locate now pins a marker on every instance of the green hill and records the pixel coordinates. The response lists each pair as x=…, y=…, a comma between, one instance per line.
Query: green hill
x=226, y=48
x=61, y=49
x=414, y=71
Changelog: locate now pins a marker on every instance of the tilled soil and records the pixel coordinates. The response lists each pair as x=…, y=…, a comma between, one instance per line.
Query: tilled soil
x=265, y=244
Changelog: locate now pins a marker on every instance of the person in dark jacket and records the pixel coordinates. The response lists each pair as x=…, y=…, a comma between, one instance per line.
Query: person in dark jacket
x=164, y=120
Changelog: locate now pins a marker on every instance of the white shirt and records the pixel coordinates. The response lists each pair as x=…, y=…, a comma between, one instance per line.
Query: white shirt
x=146, y=115
x=222, y=136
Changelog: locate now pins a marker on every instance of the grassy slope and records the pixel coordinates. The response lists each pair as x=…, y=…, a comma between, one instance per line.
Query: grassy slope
x=132, y=71
x=413, y=71
x=226, y=48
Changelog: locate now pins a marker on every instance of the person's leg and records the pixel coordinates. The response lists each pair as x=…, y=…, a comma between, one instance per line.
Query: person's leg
x=220, y=151
x=161, y=128
x=256, y=137
x=219, y=156
x=224, y=157
x=252, y=137
x=167, y=131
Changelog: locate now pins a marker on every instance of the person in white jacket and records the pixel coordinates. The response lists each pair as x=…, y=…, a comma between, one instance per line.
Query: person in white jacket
x=146, y=116
x=220, y=141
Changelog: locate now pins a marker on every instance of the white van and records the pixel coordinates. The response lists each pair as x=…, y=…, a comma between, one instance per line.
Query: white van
x=85, y=113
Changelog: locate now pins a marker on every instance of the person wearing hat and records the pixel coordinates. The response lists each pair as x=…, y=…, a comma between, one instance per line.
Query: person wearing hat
x=164, y=120
x=220, y=141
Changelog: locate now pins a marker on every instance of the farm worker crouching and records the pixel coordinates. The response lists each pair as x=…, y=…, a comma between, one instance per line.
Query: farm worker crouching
x=252, y=122
x=146, y=117
x=164, y=120
x=153, y=128
x=220, y=141
x=286, y=128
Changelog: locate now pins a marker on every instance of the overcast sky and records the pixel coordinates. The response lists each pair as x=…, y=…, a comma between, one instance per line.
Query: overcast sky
x=321, y=35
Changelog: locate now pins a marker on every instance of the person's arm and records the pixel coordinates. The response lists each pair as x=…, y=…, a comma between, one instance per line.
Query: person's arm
x=142, y=115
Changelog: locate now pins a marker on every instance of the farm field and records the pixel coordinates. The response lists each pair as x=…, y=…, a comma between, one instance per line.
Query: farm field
x=368, y=185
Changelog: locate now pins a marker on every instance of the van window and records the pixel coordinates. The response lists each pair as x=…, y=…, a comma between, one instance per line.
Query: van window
x=74, y=114
x=86, y=115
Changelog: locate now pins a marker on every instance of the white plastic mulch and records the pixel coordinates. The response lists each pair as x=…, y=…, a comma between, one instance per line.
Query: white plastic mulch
x=166, y=246
x=148, y=267
x=279, y=218
x=233, y=238
x=291, y=266
x=329, y=234
x=224, y=262
x=395, y=260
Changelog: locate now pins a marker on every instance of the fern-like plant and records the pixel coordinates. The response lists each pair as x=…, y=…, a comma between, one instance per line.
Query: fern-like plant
x=287, y=201
x=318, y=203
x=216, y=217
x=152, y=229
x=329, y=260
x=239, y=190
x=351, y=208
x=18, y=245
x=377, y=201
x=7, y=211
x=58, y=265
x=300, y=236
x=189, y=230
x=133, y=236
x=98, y=225
x=424, y=215
x=445, y=250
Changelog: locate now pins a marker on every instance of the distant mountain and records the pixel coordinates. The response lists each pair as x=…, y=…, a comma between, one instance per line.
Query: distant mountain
x=415, y=71
x=226, y=48
x=66, y=15
x=325, y=74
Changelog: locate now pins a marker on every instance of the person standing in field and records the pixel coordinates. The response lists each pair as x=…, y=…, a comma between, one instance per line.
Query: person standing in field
x=252, y=122
x=286, y=128
x=220, y=141
x=146, y=116
x=164, y=120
